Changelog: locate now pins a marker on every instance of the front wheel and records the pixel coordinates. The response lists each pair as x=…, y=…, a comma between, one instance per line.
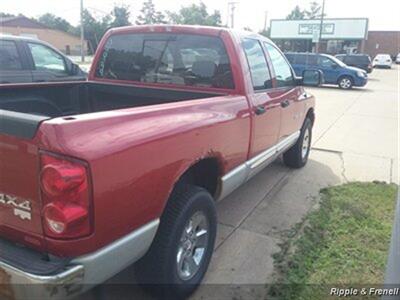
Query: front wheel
x=181, y=251
x=345, y=83
x=297, y=156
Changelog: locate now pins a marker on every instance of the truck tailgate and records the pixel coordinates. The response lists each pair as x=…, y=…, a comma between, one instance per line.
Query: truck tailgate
x=20, y=207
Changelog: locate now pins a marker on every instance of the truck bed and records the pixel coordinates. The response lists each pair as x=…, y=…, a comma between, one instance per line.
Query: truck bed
x=25, y=106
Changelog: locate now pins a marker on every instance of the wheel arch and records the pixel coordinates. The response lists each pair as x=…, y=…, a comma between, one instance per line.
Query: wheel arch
x=351, y=77
x=204, y=172
x=310, y=114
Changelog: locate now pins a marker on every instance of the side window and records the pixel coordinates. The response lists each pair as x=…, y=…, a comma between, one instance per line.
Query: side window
x=301, y=59
x=46, y=59
x=257, y=63
x=326, y=62
x=312, y=60
x=9, y=57
x=283, y=72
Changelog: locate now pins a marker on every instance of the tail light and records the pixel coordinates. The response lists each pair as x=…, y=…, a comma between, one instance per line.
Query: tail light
x=66, y=199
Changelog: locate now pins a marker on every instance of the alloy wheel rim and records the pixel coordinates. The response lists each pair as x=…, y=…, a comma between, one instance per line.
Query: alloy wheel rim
x=192, y=246
x=345, y=83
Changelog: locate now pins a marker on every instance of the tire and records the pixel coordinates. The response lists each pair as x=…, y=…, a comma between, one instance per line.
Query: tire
x=159, y=271
x=295, y=157
x=345, y=82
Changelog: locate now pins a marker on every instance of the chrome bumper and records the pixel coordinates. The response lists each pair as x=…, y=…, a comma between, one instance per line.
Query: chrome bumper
x=16, y=284
x=82, y=273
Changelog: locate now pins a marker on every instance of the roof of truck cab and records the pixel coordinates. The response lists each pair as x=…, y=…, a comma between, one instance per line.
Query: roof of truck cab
x=189, y=29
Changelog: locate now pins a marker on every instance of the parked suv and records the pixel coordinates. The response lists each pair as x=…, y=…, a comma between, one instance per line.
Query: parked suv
x=361, y=61
x=398, y=59
x=24, y=60
x=382, y=61
x=334, y=70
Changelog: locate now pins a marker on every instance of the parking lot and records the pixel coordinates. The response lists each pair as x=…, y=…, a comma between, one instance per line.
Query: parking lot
x=355, y=138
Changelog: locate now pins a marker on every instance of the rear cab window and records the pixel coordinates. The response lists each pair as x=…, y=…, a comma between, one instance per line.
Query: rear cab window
x=10, y=59
x=177, y=59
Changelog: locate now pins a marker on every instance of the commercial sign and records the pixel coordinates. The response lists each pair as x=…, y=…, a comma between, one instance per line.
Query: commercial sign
x=356, y=29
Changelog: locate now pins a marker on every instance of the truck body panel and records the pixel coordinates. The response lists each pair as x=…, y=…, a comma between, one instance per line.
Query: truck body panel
x=131, y=140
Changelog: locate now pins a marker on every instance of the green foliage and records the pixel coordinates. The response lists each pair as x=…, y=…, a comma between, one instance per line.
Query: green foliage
x=195, y=15
x=6, y=15
x=296, y=14
x=121, y=16
x=343, y=243
x=55, y=22
x=266, y=33
x=149, y=14
x=314, y=12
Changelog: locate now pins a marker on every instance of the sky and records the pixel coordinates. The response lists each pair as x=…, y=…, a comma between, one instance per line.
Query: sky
x=382, y=14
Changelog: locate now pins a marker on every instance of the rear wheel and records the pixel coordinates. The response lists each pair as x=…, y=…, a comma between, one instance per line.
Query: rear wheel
x=297, y=155
x=179, y=256
x=345, y=82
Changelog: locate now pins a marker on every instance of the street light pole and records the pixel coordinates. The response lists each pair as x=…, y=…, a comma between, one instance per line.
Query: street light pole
x=320, y=26
x=82, y=36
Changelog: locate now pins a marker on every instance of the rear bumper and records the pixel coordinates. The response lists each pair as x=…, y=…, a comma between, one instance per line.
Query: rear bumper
x=81, y=273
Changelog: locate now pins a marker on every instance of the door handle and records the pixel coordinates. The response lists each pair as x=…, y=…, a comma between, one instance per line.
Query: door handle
x=285, y=103
x=259, y=110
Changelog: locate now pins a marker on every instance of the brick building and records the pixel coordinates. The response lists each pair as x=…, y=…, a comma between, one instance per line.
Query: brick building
x=383, y=42
x=23, y=26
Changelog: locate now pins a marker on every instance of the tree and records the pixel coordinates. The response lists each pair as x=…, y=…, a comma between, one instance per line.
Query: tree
x=6, y=15
x=121, y=16
x=314, y=12
x=149, y=14
x=94, y=29
x=296, y=14
x=55, y=22
x=195, y=15
x=266, y=33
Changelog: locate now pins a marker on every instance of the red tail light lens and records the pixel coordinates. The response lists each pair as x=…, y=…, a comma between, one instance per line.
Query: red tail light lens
x=66, y=197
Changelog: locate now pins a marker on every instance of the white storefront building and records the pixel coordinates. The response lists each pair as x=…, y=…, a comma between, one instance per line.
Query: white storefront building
x=338, y=35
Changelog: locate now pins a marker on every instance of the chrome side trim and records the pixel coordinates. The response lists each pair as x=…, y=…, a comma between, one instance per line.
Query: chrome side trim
x=242, y=173
x=110, y=260
x=232, y=180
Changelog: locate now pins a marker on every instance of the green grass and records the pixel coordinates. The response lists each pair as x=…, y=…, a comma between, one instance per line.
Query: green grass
x=344, y=243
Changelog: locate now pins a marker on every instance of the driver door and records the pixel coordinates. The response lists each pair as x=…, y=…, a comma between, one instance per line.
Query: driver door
x=48, y=65
x=329, y=68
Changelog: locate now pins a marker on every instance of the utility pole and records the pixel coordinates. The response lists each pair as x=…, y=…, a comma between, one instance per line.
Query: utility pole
x=231, y=8
x=320, y=26
x=82, y=36
x=265, y=20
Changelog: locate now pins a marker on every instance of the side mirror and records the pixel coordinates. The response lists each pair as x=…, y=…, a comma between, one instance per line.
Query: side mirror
x=74, y=70
x=312, y=78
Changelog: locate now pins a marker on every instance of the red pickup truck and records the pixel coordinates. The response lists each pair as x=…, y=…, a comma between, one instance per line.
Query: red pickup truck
x=126, y=167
